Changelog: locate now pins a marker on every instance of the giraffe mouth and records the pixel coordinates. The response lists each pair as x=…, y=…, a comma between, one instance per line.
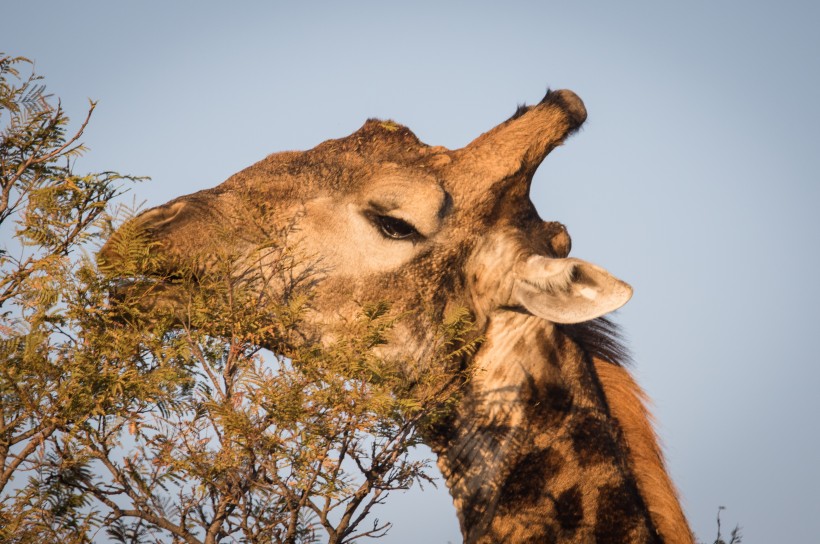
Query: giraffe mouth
x=146, y=291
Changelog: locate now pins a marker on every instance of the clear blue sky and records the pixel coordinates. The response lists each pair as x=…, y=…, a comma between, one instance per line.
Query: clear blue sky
x=695, y=178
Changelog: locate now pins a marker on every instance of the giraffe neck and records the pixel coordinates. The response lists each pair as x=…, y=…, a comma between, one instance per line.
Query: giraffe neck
x=533, y=453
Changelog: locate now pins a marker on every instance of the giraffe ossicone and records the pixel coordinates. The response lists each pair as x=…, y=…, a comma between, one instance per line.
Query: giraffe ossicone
x=550, y=440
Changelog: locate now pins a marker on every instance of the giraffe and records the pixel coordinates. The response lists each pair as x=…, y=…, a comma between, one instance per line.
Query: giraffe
x=550, y=440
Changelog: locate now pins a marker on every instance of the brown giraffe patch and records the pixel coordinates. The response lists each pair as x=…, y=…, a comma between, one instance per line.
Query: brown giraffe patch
x=547, y=405
x=620, y=515
x=528, y=478
x=569, y=510
x=592, y=440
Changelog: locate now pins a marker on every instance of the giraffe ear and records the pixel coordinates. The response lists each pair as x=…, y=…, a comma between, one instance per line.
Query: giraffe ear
x=567, y=290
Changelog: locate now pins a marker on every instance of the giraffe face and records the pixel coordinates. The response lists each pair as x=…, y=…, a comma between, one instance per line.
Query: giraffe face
x=380, y=216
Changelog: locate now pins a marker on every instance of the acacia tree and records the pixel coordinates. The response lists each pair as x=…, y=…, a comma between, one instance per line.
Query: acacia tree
x=139, y=421
x=53, y=212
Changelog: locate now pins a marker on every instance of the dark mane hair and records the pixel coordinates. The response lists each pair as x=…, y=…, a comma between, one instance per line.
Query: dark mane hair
x=519, y=111
x=599, y=338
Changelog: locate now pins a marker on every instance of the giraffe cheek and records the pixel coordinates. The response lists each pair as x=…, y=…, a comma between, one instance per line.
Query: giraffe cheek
x=489, y=290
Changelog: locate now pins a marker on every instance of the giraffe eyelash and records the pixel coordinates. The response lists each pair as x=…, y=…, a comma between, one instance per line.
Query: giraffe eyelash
x=394, y=228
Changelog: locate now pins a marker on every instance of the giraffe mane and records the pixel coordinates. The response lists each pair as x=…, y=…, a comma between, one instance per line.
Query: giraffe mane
x=600, y=339
x=627, y=404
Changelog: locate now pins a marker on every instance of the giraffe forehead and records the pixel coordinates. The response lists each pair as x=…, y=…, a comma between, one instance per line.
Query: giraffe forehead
x=398, y=185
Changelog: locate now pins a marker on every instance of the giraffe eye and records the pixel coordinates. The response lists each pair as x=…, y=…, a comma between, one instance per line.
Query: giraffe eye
x=394, y=228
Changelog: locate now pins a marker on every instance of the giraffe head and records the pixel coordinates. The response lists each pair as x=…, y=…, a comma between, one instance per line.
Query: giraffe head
x=380, y=216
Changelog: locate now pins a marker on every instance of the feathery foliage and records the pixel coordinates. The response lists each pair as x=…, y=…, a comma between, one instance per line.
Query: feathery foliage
x=44, y=387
